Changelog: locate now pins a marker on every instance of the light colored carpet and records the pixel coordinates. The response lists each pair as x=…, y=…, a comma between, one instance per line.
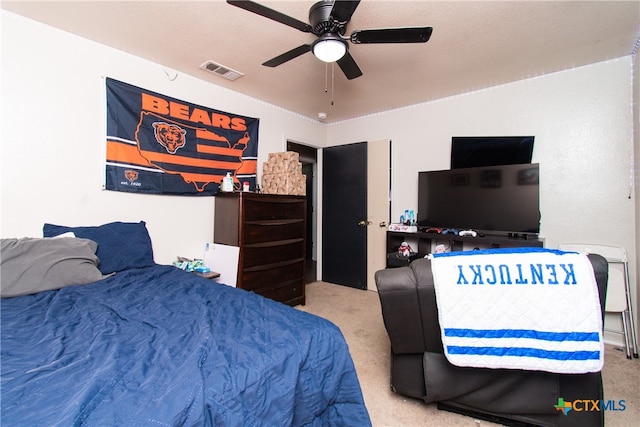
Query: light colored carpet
x=357, y=313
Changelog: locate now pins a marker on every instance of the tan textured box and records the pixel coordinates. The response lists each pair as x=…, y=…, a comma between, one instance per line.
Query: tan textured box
x=282, y=174
x=284, y=183
x=283, y=167
x=285, y=162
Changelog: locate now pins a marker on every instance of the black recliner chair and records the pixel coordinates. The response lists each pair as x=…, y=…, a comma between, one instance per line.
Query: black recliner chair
x=420, y=369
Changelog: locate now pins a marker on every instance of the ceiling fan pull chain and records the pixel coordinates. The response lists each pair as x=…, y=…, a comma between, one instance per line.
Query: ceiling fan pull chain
x=326, y=77
x=333, y=73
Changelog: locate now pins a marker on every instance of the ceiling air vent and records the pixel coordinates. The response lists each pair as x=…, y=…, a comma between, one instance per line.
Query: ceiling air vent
x=221, y=70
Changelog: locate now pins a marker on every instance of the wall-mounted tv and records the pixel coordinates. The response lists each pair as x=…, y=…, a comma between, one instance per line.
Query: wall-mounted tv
x=502, y=199
x=476, y=151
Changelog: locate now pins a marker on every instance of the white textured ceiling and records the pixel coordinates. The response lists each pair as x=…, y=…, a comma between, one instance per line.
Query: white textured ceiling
x=475, y=44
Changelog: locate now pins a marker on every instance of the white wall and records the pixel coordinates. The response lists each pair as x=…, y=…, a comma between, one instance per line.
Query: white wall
x=582, y=120
x=53, y=138
x=636, y=136
x=636, y=116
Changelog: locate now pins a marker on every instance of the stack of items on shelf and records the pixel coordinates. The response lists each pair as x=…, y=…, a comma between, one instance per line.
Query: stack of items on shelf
x=407, y=222
x=282, y=174
x=403, y=228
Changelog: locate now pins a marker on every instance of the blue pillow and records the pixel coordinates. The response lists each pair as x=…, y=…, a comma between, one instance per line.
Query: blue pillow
x=121, y=245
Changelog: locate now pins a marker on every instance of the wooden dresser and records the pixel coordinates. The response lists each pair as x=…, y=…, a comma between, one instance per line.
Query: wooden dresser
x=270, y=231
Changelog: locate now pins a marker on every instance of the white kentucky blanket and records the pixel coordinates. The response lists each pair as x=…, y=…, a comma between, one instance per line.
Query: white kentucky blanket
x=519, y=308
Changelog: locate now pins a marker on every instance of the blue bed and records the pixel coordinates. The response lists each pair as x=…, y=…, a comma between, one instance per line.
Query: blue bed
x=160, y=346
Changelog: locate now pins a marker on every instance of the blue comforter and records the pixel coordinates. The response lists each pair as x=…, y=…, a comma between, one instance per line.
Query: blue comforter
x=159, y=346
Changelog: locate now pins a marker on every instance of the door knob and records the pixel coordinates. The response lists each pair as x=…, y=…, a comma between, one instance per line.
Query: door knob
x=363, y=223
x=383, y=224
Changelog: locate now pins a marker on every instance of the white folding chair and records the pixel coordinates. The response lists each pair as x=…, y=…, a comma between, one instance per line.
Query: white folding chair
x=619, y=298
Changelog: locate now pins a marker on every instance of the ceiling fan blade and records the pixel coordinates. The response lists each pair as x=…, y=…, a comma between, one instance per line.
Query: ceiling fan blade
x=271, y=14
x=288, y=56
x=392, y=35
x=349, y=67
x=342, y=10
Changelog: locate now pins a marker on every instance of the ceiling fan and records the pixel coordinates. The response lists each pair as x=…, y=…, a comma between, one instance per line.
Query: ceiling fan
x=328, y=21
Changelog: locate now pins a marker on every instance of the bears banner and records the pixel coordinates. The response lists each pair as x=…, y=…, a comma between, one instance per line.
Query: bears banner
x=160, y=145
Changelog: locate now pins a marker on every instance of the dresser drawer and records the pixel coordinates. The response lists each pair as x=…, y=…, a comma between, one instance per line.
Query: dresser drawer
x=291, y=294
x=273, y=230
x=274, y=276
x=273, y=252
x=274, y=208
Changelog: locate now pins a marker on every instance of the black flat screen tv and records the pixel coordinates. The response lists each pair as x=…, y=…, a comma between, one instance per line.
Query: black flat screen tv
x=476, y=151
x=495, y=199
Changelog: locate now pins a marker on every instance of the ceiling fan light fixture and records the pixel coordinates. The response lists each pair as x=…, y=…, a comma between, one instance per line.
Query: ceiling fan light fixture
x=329, y=48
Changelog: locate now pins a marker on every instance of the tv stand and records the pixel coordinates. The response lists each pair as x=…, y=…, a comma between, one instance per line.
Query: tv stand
x=424, y=243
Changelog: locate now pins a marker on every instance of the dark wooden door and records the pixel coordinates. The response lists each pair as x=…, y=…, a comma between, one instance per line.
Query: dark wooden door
x=344, y=215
